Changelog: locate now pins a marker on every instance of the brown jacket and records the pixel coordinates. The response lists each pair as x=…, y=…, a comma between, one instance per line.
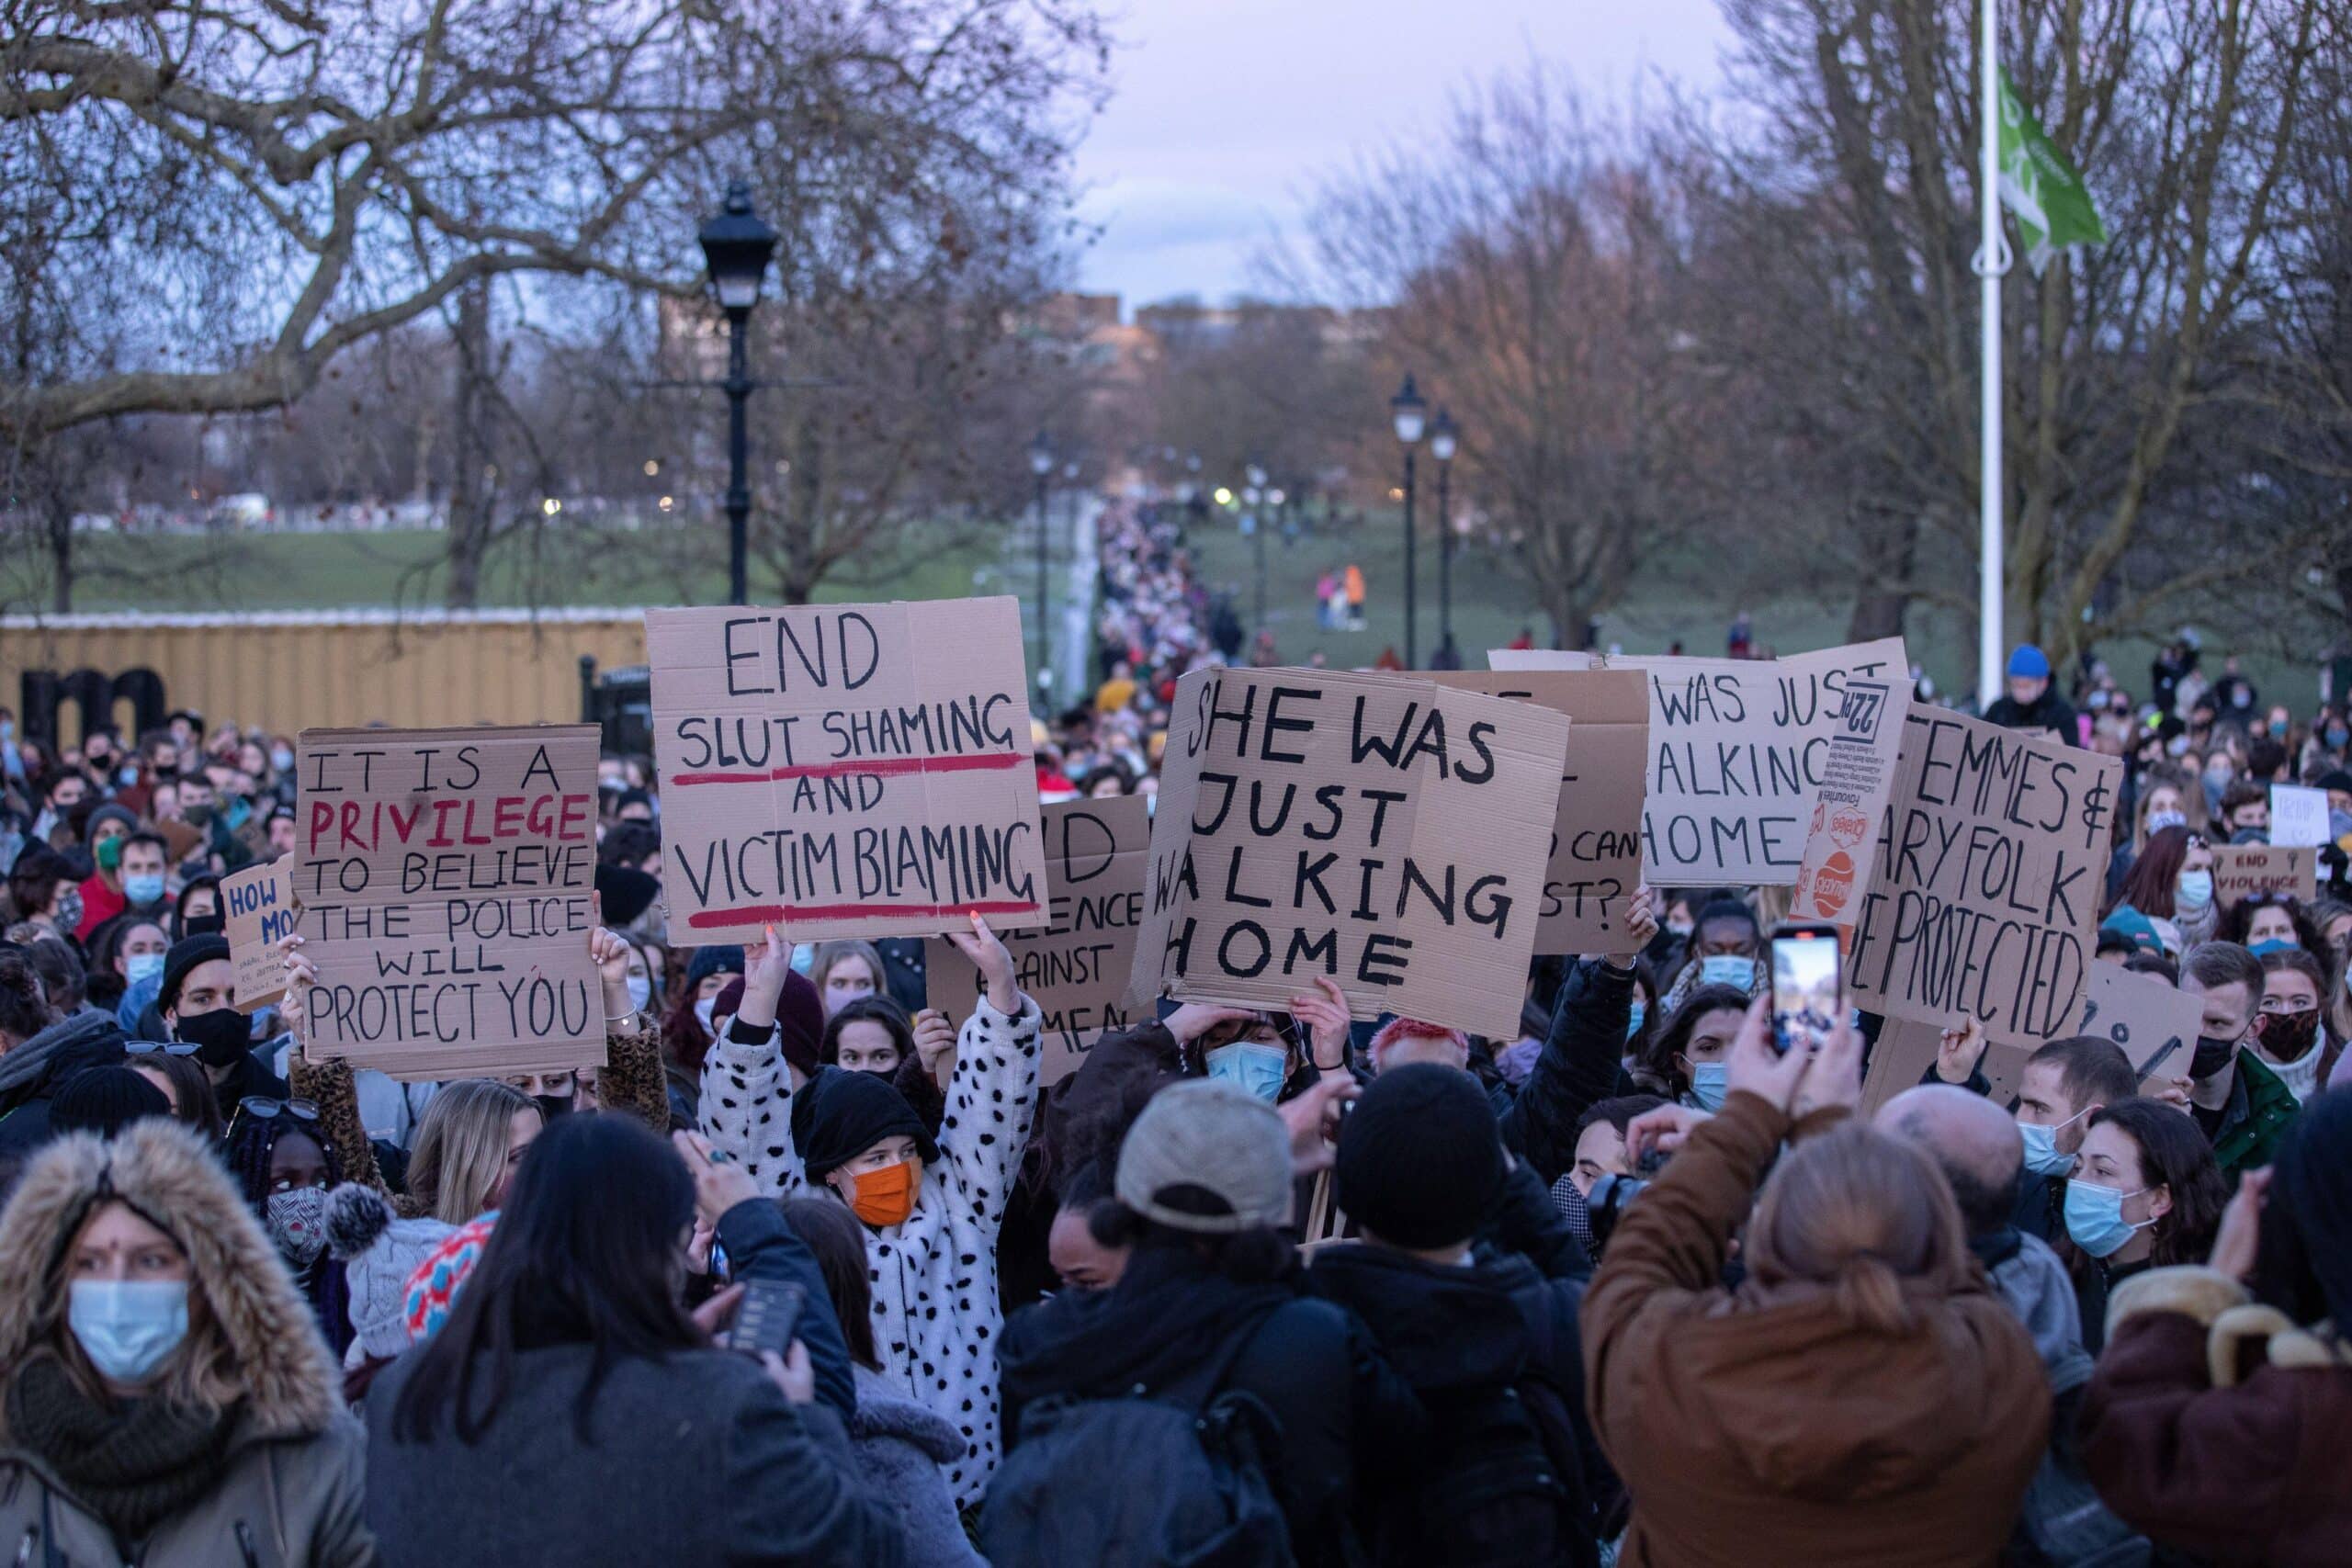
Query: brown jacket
x=2218, y=1427
x=1762, y=1427
x=290, y=1494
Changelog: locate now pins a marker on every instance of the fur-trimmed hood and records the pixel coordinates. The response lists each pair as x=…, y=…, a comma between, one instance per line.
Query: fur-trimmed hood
x=171, y=1176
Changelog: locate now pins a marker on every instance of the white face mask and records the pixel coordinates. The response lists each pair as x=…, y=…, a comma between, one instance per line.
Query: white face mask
x=128, y=1327
x=702, y=1011
x=641, y=990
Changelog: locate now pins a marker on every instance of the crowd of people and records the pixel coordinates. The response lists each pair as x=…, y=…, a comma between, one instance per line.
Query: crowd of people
x=1245, y=1286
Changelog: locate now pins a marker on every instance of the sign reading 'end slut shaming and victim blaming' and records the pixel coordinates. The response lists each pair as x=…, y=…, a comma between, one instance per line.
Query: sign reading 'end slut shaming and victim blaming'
x=844, y=771
x=446, y=880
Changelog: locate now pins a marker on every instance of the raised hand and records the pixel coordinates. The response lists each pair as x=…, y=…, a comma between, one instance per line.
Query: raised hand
x=1191, y=1020
x=1641, y=927
x=934, y=1037
x=767, y=965
x=1959, y=1050
x=719, y=1185
x=987, y=951
x=301, y=974
x=1313, y=1119
x=1662, y=1130
x=1753, y=1064
x=1324, y=1011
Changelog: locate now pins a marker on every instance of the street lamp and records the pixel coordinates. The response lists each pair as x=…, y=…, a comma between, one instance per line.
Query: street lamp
x=1410, y=414
x=1041, y=463
x=736, y=246
x=1444, y=435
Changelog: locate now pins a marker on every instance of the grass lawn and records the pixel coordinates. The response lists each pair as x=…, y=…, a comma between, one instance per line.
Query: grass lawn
x=1492, y=598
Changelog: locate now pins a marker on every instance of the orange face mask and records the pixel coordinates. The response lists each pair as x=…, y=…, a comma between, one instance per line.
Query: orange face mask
x=885, y=1197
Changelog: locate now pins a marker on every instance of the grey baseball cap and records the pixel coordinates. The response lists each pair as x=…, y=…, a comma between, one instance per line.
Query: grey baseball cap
x=1227, y=1146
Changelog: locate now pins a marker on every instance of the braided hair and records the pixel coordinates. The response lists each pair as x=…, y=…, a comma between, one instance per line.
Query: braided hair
x=248, y=1150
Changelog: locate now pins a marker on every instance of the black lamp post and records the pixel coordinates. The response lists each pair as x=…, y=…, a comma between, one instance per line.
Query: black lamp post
x=1410, y=414
x=1444, y=436
x=1255, y=495
x=736, y=246
x=1041, y=463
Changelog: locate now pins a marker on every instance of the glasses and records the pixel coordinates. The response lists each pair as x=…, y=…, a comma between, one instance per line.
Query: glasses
x=168, y=1048
x=265, y=1107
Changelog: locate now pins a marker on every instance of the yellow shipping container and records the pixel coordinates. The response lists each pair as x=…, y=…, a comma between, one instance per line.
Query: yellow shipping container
x=297, y=669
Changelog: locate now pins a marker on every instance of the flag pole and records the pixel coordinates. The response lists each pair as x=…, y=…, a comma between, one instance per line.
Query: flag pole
x=1990, y=266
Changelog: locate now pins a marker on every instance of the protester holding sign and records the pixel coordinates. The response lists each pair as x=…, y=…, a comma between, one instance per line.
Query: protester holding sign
x=932, y=1208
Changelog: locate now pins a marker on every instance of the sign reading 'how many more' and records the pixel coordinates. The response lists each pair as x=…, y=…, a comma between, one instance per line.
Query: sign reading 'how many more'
x=844, y=771
x=446, y=879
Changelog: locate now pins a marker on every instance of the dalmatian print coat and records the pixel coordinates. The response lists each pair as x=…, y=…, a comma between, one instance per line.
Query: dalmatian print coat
x=937, y=1319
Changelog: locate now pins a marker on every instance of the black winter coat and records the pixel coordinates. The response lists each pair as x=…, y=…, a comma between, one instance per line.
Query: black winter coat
x=31, y=1074
x=1309, y=1362
x=1459, y=1332
x=1581, y=1064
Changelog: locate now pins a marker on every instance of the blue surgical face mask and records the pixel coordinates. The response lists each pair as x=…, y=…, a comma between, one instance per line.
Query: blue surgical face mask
x=141, y=966
x=2194, y=890
x=128, y=774
x=2269, y=944
x=2160, y=820
x=282, y=759
x=2094, y=1218
x=2338, y=736
x=1634, y=1018
x=144, y=889
x=1710, y=1083
x=1727, y=969
x=128, y=1327
x=2042, y=1155
x=1252, y=1067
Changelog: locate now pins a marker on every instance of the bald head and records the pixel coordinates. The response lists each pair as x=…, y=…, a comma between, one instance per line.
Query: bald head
x=1974, y=1141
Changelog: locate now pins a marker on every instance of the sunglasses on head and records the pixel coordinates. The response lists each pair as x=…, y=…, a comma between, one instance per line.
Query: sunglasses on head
x=265, y=1107
x=168, y=1048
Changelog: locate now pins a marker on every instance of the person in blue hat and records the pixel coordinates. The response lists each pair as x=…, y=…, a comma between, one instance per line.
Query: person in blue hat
x=2033, y=702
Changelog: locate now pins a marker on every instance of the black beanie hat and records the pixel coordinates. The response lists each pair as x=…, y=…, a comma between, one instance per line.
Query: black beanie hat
x=105, y=1100
x=1421, y=1158
x=839, y=1115
x=184, y=955
x=628, y=892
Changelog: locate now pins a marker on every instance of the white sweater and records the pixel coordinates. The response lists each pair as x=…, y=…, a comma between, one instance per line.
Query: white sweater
x=935, y=1316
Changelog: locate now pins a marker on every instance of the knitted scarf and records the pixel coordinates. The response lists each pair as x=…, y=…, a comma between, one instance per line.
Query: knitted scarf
x=136, y=1464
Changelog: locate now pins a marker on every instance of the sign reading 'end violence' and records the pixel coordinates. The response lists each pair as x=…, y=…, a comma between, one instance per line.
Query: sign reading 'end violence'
x=845, y=770
x=1377, y=830
x=444, y=878
x=1990, y=864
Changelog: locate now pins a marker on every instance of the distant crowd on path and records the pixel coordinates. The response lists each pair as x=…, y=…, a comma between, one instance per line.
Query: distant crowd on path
x=1247, y=1286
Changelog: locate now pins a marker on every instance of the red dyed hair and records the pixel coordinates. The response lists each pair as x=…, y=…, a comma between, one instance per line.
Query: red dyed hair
x=1397, y=1029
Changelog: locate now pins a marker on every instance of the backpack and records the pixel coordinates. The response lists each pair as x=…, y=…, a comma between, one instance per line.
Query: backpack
x=1175, y=1477
x=1502, y=1480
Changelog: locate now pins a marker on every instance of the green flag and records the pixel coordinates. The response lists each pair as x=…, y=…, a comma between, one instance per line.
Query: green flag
x=2051, y=206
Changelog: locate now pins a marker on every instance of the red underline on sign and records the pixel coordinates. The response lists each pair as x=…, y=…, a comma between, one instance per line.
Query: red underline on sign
x=884, y=766
x=783, y=914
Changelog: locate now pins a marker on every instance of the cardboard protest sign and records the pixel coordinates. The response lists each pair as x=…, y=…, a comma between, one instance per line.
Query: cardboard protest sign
x=1596, y=862
x=1990, y=862
x=1857, y=775
x=257, y=909
x=1900, y=1058
x=1739, y=750
x=2297, y=816
x=2147, y=1017
x=446, y=879
x=844, y=770
x=2243, y=869
x=1533, y=660
x=1077, y=968
x=1378, y=829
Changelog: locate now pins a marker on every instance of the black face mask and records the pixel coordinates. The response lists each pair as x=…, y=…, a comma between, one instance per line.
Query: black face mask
x=2211, y=1056
x=221, y=1037
x=553, y=1105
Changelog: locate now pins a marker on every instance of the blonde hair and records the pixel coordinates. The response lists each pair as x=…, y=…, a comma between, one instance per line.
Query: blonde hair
x=829, y=953
x=461, y=1146
x=1870, y=1216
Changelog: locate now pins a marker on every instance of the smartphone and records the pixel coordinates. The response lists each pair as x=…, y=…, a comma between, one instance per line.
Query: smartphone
x=768, y=1319
x=1807, y=980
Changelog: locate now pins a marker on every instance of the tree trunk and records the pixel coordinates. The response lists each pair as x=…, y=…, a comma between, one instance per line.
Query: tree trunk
x=1880, y=612
x=470, y=493
x=61, y=544
x=801, y=571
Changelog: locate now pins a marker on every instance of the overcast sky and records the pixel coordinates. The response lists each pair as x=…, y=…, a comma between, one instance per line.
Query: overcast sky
x=1224, y=111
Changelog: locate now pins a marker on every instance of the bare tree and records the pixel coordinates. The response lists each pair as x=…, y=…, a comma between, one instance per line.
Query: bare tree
x=203, y=205
x=1535, y=263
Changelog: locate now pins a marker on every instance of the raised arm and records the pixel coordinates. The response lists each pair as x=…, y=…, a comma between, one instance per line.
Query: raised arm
x=746, y=1084
x=327, y=1085
x=992, y=1096
x=631, y=1080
